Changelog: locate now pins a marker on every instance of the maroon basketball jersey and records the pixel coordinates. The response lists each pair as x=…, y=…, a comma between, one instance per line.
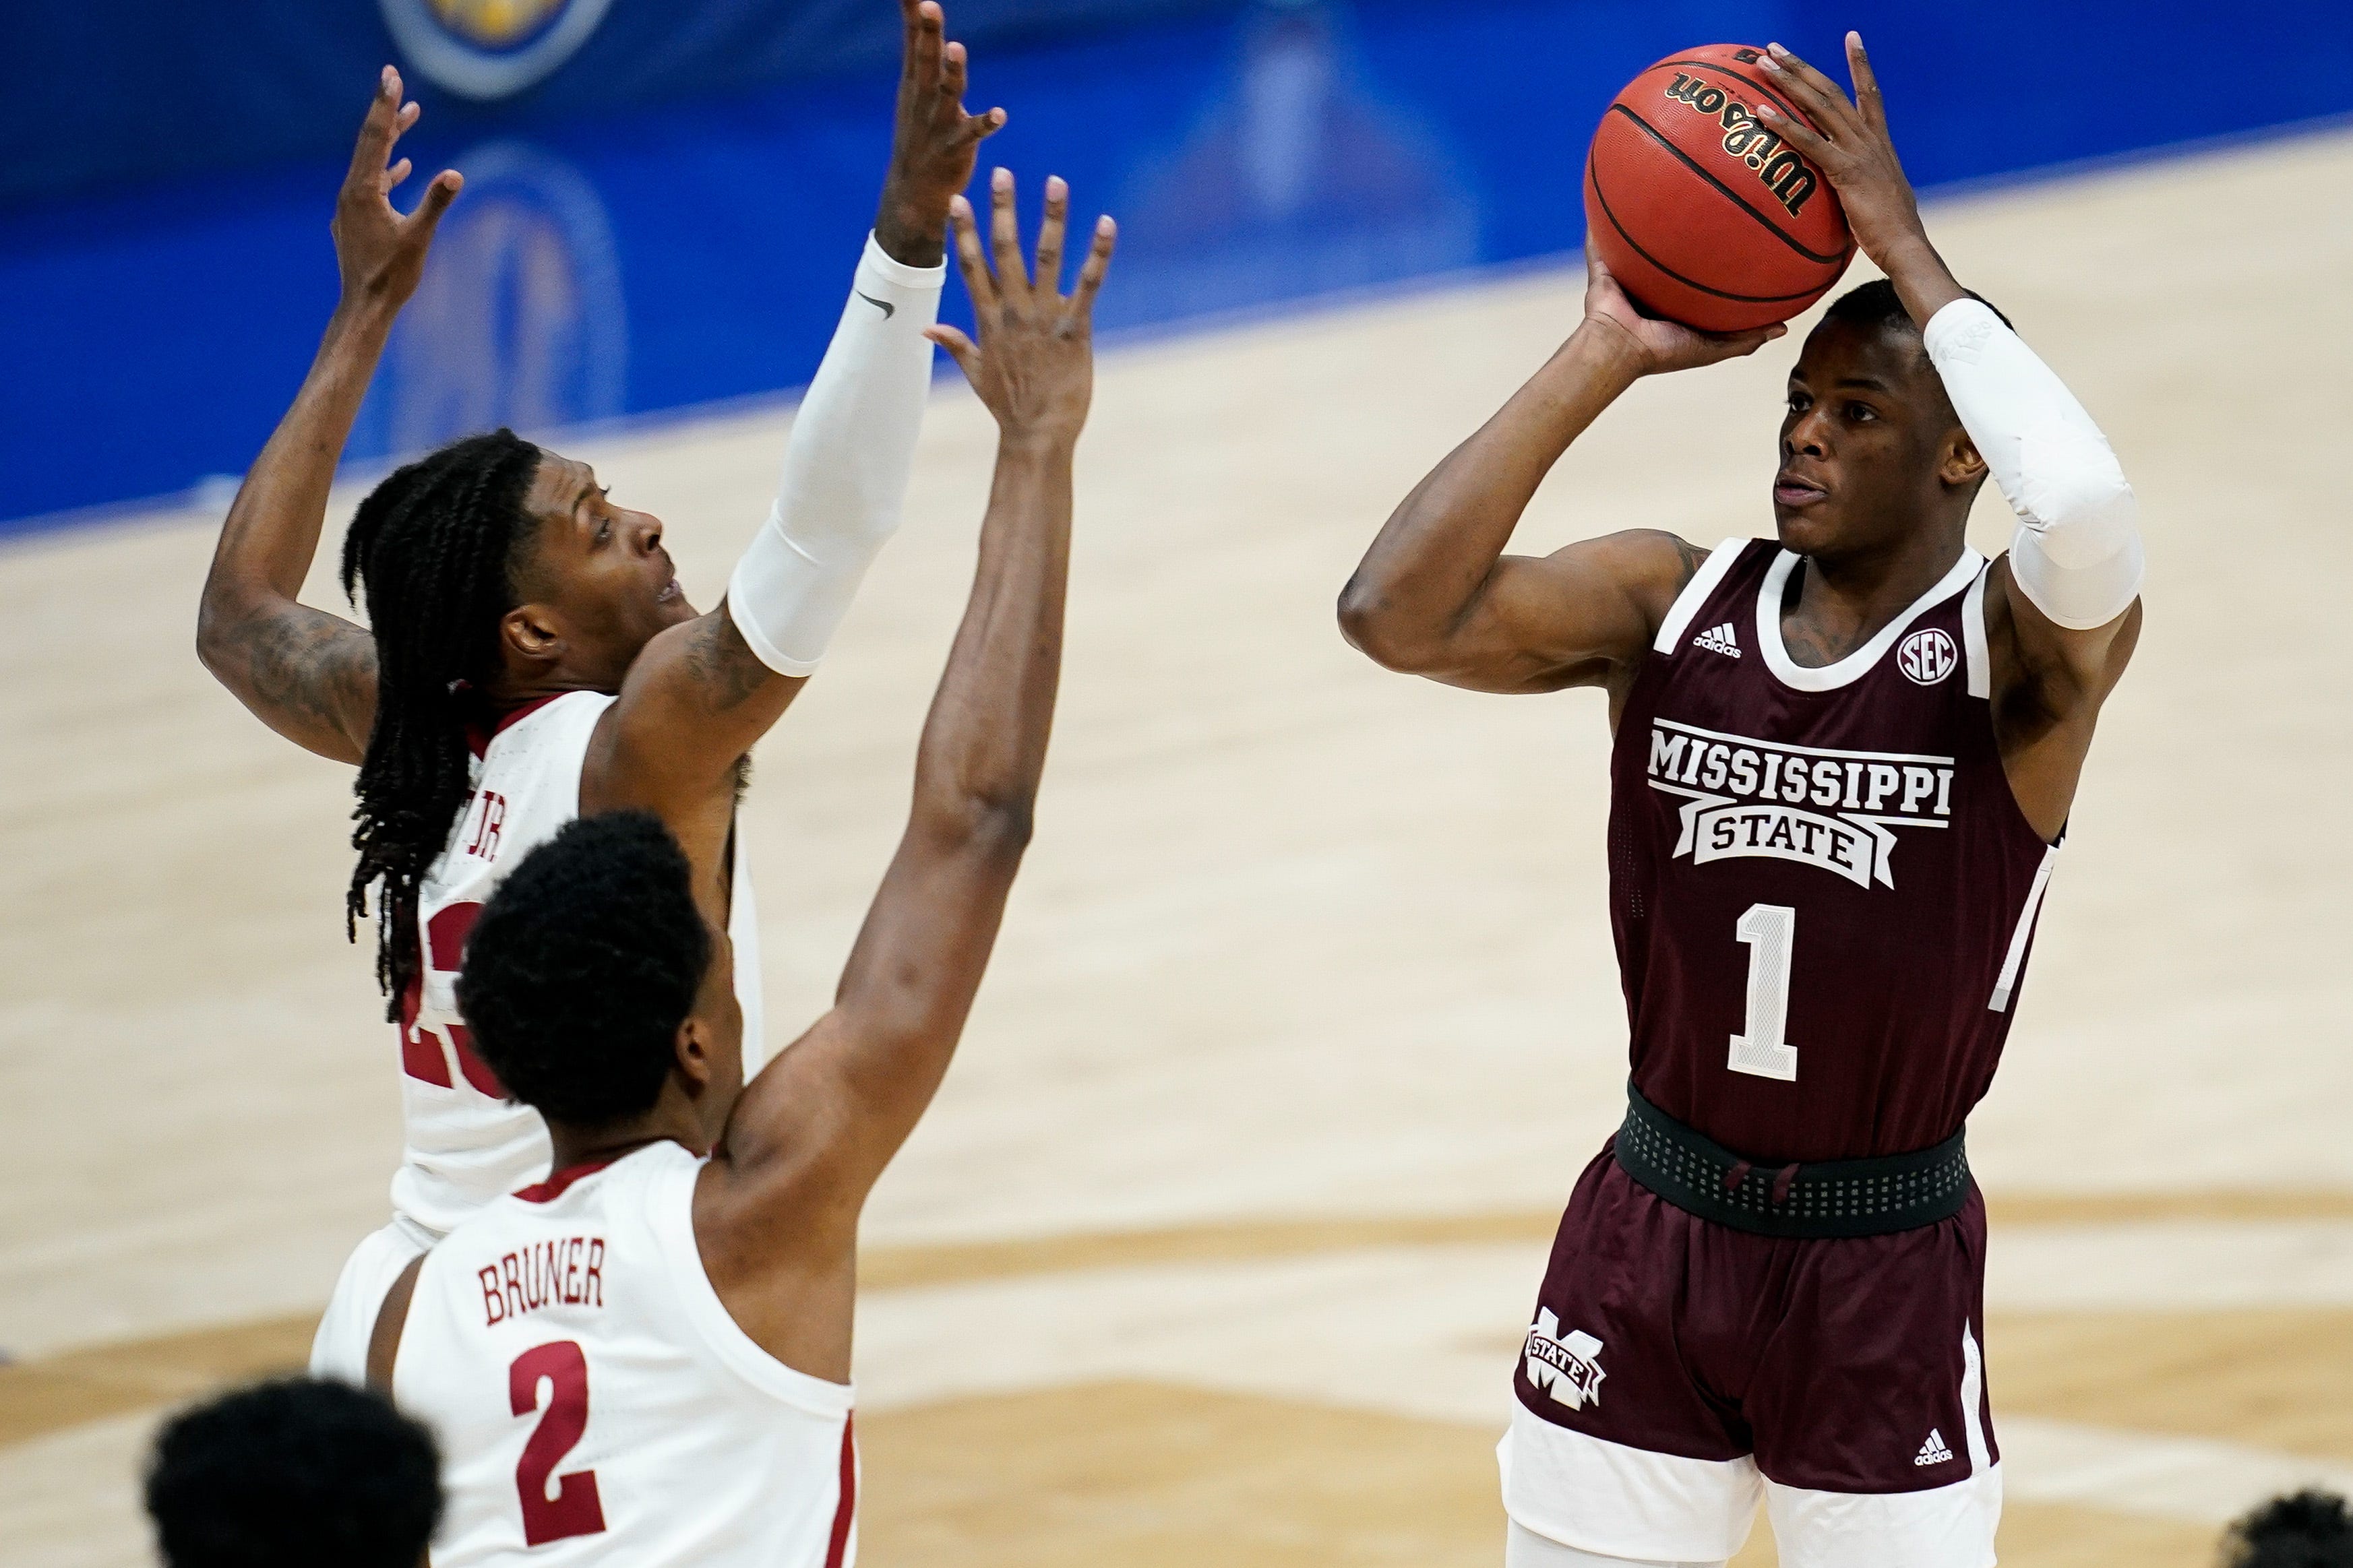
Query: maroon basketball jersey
x=1822, y=889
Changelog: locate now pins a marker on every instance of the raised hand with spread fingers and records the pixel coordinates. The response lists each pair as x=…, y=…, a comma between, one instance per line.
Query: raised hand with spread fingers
x=1034, y=364
x=936, y=143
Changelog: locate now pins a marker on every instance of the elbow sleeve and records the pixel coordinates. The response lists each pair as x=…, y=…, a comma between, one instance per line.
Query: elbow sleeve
x=847, y=465
x=2077, y=552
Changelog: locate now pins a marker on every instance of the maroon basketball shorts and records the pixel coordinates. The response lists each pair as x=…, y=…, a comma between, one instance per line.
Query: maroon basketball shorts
x=1679, y=1369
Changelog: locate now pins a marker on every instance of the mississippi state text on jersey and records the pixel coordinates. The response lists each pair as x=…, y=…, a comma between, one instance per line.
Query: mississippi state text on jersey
x=1821, y=887
x=464, y=1143
x=593, y=1401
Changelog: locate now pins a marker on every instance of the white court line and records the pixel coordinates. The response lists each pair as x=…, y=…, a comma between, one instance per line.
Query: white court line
x=1428, y=1332
x=2180, y=1266
x=1424, y=1332
x=2135, y=1472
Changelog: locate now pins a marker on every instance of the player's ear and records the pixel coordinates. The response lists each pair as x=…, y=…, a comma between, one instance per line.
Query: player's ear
x=1961, y=464
x=709, y=1039
x=531, y=633
x=694, y=1053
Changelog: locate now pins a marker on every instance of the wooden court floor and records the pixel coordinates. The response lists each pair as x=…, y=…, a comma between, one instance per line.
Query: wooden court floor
x=1218, y=1243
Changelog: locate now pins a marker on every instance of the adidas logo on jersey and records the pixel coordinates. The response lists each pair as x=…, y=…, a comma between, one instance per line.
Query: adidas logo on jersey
x=1718, y=639
x=1933, y=1451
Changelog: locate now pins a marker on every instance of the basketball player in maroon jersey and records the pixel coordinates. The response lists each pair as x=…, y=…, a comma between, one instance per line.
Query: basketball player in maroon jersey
x=1842, y=767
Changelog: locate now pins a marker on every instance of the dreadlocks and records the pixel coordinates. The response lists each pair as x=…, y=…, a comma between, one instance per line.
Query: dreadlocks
x=436, y=545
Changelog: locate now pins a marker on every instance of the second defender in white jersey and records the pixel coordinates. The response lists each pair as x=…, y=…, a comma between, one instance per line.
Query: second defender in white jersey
x=532, y=655
x=645, y=1359
x=594, y=1400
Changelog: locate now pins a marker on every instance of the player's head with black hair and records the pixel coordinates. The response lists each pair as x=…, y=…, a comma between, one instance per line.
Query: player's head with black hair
x=2308, y=1529
x=591, y=980
x=437, y=545
x=1872, y=453
x=294, y=1473
x=1877, y=306
x=493, y=569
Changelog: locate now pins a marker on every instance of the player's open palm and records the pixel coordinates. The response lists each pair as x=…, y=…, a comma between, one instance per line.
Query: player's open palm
x=1654, y=344
x=1034, y=363
x=380, y=252
x=935, y=142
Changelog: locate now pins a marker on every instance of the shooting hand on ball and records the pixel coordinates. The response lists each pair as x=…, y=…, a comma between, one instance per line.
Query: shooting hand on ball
x=1651, y=345
x=1849, y=143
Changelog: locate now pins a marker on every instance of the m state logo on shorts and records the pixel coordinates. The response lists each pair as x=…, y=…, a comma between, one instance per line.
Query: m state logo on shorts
x=1569, y=1368
x=490, y=48
x=1926, y=656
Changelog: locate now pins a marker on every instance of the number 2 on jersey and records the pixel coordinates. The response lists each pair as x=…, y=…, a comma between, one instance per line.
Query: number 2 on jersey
x=574, y=1509
x=1770, y=931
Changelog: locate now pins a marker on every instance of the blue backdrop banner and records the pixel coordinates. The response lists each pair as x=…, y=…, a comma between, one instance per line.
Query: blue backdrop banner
x=635, y=260
x=110, y=92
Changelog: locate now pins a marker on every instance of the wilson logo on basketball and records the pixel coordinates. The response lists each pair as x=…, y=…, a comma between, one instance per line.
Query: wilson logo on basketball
x=1789, y=177
x=1926, y=656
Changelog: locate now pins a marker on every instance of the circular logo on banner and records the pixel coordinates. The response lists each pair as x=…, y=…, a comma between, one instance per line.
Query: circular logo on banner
x=490, y=48
x=1926, y=656
x=521, y=319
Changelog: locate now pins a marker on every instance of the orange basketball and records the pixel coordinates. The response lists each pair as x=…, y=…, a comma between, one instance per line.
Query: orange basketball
x=1699, y=209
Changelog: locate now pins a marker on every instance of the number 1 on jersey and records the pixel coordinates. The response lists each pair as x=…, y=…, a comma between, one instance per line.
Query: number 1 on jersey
x=1770, y=931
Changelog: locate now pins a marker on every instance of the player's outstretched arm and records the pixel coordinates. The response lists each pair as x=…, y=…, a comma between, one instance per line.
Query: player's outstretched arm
x=2062, y=609
x=1436, y=596
x=814, y=1130
x=702, y=693
x=309, y=675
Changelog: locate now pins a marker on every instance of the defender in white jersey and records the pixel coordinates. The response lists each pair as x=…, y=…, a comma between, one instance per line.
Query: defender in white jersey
x=595, y=1402
x=645, y=1358
x=532, y=654
x=466, y=1137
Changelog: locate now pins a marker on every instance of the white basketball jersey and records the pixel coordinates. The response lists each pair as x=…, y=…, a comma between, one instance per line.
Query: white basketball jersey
x=465, y=1143
x=595, y=1403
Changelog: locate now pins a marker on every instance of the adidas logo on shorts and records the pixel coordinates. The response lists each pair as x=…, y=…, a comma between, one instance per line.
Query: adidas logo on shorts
x=1933, y=1451
x=1718, y=639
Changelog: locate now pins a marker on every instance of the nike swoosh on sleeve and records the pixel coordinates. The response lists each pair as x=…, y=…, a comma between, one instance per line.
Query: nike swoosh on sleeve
x=888, y=309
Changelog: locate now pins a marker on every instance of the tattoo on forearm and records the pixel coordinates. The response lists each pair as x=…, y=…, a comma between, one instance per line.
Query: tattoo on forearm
x=314, y=669
x=723, y=663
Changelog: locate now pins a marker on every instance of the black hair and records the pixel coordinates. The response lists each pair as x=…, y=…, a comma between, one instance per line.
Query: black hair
x=2302, y=1529
x=582, y=967
x=437, y=545
x=1875, y=307
x=290, y=1474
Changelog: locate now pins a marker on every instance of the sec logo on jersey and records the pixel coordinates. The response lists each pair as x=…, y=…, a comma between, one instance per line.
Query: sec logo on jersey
x=1926, y=656
x=490, y=48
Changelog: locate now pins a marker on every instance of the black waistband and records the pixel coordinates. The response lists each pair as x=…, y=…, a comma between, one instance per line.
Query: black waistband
x=1831, y=1198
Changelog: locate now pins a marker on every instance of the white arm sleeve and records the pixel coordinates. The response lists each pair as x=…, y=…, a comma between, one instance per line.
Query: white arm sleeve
x=846, y=468
x=2077, y=552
